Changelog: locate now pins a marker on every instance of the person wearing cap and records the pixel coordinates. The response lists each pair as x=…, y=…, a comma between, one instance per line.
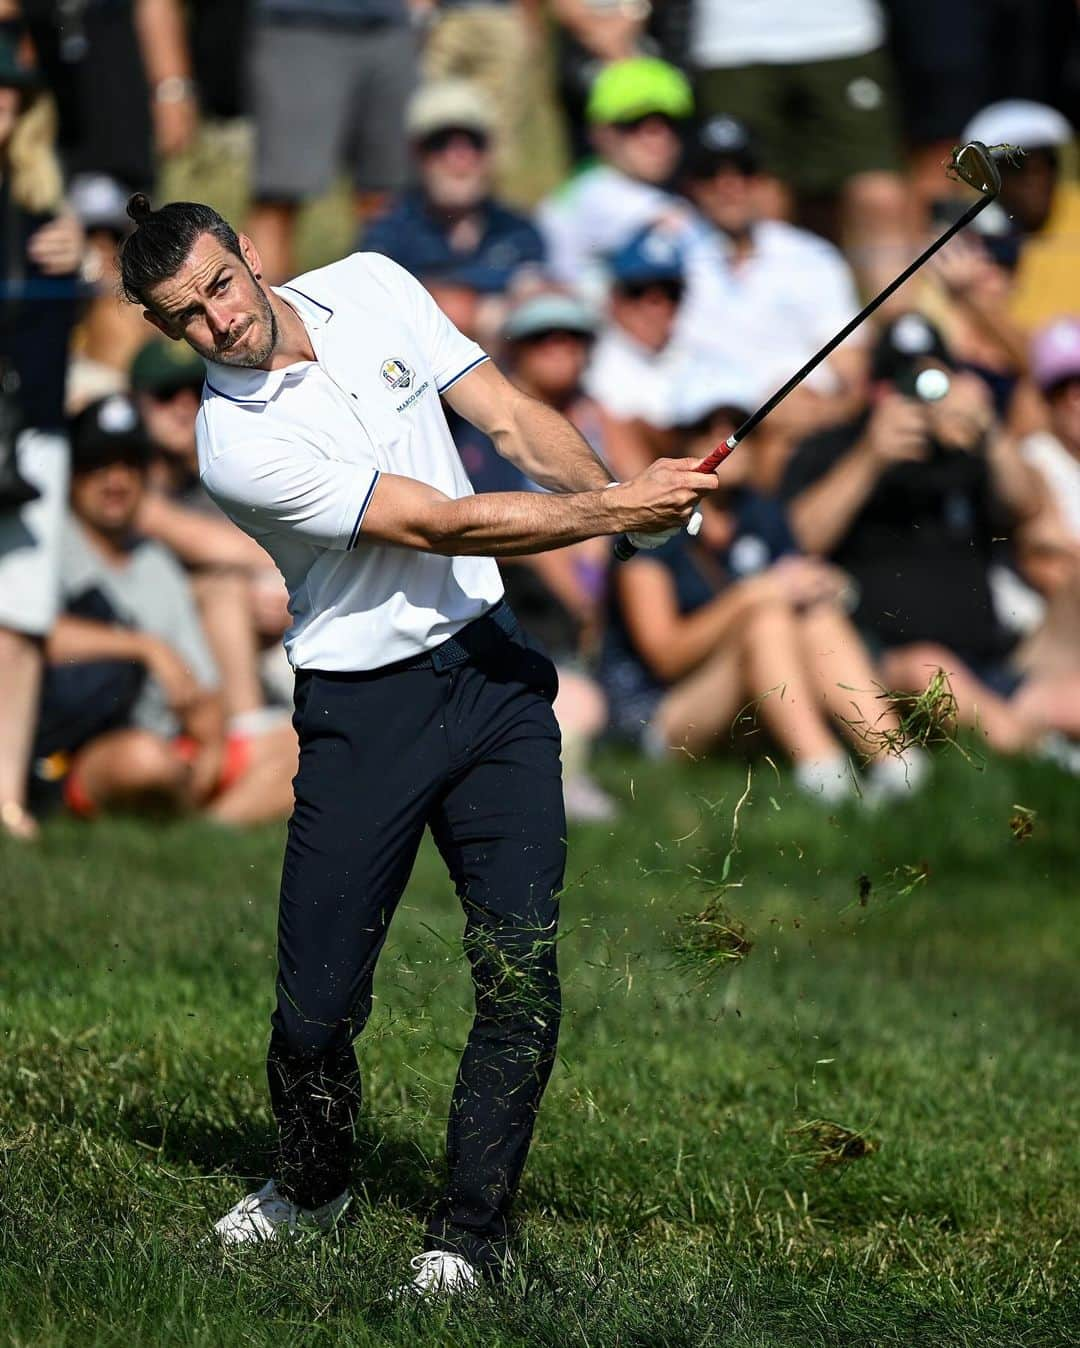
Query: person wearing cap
x=638, y=366
x=1044, y=202
x=131, y=711
x=241, y=597
x=910, y=499
x=419, y=702
x=40, y=253
x=637, y=110
x=706, y=626
x=449, y=228
x=330, y=80
x=780, y=291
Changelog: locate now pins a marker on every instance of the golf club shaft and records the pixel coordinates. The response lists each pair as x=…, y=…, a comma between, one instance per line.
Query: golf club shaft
x=624, y=549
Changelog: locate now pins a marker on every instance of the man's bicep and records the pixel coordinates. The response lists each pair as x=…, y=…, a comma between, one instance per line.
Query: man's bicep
x=405, y=512
x=285, y=490
x=484, y=397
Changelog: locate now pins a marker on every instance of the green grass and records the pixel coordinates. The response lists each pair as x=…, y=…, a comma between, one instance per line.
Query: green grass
x=912, y=978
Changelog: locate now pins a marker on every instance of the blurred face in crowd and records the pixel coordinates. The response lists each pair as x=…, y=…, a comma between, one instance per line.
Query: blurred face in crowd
x=105, y=499
x=647, y=148
x=10, y=107
x=551, y=364
x=711, y=431
x=725, y=197
x=647, y=311
x=216, y=305
x=1027, y=188
x=169, y=418
x=455, y=167
x=460, y=303
x=1065, y=413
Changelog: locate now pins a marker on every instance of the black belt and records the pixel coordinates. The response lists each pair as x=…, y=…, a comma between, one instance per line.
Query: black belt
x=476, y=638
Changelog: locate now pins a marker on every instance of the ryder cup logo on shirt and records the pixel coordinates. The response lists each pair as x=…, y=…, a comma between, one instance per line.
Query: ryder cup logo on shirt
x=396, y=373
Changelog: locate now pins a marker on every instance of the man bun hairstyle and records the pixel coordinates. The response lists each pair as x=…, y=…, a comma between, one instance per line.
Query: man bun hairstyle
x=161, y=241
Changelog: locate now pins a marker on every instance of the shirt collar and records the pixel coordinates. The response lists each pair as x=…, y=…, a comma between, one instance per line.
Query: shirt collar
x=241, y=385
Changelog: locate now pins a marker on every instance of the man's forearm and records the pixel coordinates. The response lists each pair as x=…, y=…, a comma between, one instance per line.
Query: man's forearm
x=822, y=513
x=549, y=450
x=515, y=524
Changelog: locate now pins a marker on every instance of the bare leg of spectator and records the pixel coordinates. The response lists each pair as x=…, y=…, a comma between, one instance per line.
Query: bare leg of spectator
x=698, y=713
x=877, y=227
x=581, y=711
x=132, y=769
x=1050, y=702
x=224, y=599
x=272, y=227
x=265, y=789
x=850, y=689
x=910, y=669
x=20, y=681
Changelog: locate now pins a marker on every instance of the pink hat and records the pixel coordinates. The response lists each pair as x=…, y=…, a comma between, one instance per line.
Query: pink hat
x=1055, y=352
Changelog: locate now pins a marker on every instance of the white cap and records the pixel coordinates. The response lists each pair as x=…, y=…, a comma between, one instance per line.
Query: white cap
x=448, y=103
x=1021, y=122
x=701, y=391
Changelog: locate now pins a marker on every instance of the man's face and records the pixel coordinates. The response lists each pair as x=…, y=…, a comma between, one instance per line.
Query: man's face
x=106, y=499
x=169, y=418
x=1027, y=188
x=216, y=305
x=552, y=363
x=647, y=311
x=455, y=168
x=725, y=197
x=647, y=148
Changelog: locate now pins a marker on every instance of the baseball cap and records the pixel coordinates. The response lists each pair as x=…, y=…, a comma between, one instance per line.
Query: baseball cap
x=448, y=103
x=1055, y=352
x=108, y=431
x=1021, y=122
x=166, y=367
x=720, y=140
x=652, y=254
x=636, y=87
x=548, y=312
x=100, y=203
x=908, y=339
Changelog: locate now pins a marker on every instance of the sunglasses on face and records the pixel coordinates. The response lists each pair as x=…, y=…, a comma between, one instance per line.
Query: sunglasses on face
x=556, y=335
x=441, y=140
x=168, y=395
x=632, y=124
x=672, y=291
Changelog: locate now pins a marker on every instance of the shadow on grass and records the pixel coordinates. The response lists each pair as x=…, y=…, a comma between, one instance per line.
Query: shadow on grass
x=388, y=1167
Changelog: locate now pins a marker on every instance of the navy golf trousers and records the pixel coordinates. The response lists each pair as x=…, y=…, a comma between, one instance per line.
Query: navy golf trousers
x=469, y=747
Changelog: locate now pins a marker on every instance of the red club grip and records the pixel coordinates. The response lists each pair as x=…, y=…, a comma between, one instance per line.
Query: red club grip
x=717, y=457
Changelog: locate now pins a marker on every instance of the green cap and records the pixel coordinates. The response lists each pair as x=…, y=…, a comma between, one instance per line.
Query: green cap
x=637, y=87
x=164, y=367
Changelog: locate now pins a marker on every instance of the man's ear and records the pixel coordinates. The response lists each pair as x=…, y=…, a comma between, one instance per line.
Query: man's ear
x=157, y=322
x=250, y=254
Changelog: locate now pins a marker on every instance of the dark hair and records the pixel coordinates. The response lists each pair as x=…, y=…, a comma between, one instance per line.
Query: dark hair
x=160, y=243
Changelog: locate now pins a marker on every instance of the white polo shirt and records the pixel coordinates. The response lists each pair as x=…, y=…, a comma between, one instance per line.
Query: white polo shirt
x=293, y=457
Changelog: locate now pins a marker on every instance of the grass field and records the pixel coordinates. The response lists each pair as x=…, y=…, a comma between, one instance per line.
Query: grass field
x=912, y=978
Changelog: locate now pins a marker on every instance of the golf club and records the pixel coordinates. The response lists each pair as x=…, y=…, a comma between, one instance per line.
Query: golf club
x=973, y=164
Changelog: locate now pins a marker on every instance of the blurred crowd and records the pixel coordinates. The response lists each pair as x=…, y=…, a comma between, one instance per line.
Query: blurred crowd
x=737, y=177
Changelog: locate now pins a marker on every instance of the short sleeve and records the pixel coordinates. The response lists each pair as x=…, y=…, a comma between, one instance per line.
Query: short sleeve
x=813, y=458
x=280, y=487
x=449, y=352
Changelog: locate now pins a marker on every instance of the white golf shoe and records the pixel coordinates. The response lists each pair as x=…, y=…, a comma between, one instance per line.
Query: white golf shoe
x=438, y=1274
x=269, y=1215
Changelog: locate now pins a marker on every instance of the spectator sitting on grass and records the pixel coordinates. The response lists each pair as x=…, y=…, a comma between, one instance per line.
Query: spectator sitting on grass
x=636, y=108
x=909, y=499
x=638, y=367
x=763, y=296
x=131, y=714
x=241, y=595
x=716, y=634
x=1044, y=203
x=449, y=223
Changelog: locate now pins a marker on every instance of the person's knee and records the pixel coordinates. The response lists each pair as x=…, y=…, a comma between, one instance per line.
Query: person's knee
x=147, y=763
x=309, y=1036
x=912, y=667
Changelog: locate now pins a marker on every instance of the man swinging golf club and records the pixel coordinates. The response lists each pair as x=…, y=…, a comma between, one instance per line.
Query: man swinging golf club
x=419, y=702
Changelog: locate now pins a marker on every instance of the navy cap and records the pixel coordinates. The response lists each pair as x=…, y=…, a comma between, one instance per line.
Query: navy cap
x=108, y=431
x=653, y=254
x=720, y=140
x=904, y=342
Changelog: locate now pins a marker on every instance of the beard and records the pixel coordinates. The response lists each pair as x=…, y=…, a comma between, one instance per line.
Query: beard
x=254, y=354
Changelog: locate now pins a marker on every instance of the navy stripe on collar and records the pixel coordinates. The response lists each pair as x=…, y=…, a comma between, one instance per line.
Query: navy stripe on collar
x=310, y=299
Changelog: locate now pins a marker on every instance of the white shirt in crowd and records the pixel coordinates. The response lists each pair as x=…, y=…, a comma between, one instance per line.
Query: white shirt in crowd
x=767, y=314
x=635, y=384
x=293, y=457
x=592, y=215
x=777, y=32
x=1061, y=472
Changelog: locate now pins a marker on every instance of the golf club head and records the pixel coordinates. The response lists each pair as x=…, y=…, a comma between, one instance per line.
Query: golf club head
x=974, y=164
